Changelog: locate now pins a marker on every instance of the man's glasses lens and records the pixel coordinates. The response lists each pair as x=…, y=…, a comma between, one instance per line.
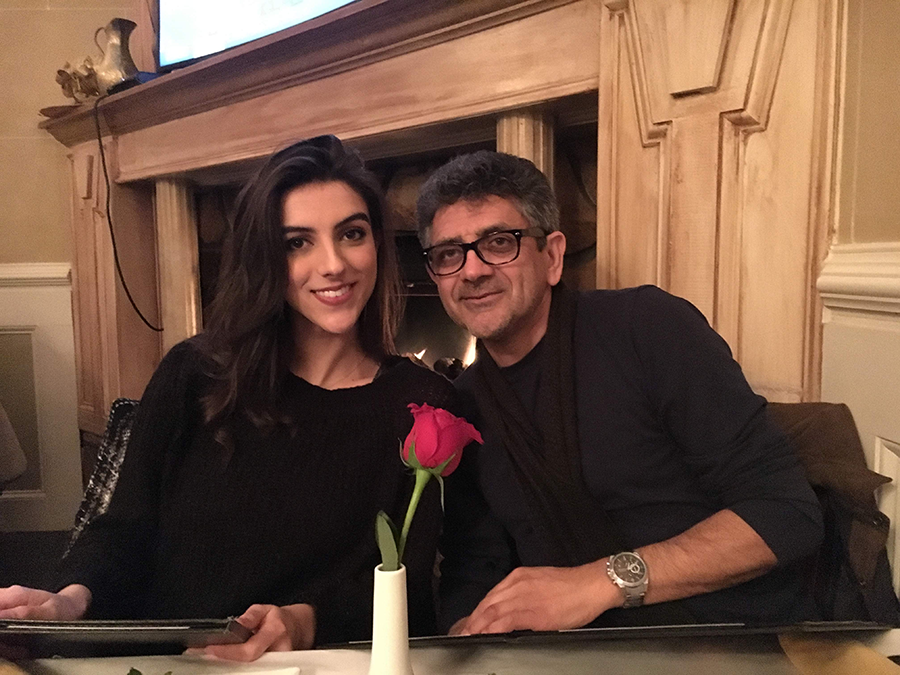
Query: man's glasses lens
x=496, y=248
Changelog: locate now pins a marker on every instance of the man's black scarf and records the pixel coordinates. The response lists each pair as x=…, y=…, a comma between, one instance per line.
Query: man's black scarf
x=544, y=450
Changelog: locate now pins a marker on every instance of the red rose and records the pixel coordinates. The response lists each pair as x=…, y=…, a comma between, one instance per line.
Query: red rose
x=433, y=448
x=439, y=438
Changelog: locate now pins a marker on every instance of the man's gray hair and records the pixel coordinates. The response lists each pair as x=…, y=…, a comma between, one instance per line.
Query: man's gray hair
x=481, y=174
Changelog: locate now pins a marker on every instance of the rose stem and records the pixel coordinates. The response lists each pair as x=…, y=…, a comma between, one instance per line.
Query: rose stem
x=422, y=478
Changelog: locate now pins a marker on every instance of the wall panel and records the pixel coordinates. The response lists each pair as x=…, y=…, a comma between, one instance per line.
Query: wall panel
x=714, y=157
x=35, y=301
x=777, y=179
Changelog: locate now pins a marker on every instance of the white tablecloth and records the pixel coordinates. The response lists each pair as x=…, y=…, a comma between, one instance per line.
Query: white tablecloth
x=735, y=655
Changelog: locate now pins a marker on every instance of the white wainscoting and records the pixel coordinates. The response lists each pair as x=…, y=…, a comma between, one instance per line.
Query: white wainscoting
x=860, y=288
x=36, y=299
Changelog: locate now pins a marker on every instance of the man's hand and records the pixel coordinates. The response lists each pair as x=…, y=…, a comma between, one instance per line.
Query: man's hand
x=69, y=604
x=543, y=598
x=275, y=629
x=717, y=552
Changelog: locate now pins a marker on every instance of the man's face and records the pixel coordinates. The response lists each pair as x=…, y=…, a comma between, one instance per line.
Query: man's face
x=493, y=302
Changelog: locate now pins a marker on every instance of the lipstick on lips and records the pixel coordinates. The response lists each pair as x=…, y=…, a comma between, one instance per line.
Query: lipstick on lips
x=336, y=295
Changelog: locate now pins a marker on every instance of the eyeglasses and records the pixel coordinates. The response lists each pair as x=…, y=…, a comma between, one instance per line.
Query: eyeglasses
x=495, y=248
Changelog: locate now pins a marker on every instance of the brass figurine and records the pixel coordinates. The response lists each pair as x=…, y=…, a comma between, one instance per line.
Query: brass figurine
x=80, y=82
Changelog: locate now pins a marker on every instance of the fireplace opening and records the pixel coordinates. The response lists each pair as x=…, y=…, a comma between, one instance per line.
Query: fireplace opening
x=426, y=330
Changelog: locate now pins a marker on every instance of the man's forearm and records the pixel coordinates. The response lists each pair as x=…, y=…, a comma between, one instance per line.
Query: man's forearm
x=720, y=551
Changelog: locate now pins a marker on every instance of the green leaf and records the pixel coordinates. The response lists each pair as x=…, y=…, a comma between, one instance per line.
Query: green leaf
x=412, y=461
x=439, y=469
x=386, y=534
x=135, y=671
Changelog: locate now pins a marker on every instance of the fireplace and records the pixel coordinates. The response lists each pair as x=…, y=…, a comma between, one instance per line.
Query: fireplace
x=426, y=331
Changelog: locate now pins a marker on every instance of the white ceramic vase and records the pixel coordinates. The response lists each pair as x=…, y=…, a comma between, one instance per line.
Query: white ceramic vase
x=390, y=625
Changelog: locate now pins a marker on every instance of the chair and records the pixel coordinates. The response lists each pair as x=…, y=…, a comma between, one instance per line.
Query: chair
x=851, y=575
x=103, y=478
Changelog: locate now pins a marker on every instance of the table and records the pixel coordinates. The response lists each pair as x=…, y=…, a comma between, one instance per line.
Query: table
x=759, y=653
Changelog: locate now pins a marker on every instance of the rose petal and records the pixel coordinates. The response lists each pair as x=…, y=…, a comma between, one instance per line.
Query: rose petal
x=454, y=438
x=440, y=436
x=427, y=440
x=410, y=439
x=419, y=409
x=444, y=418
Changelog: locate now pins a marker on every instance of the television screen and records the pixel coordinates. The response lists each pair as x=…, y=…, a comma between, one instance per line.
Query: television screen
x=189, y=29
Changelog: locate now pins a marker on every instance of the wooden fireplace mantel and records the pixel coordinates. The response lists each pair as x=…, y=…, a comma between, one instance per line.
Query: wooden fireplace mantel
x=361, y=33
x=369, y=69
x=716, y=126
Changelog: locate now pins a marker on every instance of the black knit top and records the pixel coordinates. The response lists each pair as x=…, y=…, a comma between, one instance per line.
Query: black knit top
x=670, y=432
x=287, y=516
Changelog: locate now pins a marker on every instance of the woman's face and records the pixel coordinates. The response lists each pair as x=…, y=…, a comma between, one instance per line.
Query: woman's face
x=331, y=255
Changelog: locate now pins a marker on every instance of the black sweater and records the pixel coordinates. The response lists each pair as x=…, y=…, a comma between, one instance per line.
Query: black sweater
x=289, y=516
x=669, y=432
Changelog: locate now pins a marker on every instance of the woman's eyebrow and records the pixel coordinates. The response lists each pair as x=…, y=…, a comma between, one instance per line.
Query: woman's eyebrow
x=295, y=229
x=356, y=216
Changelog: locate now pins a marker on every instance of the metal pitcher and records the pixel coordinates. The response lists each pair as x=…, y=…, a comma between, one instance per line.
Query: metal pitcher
x=116, y=65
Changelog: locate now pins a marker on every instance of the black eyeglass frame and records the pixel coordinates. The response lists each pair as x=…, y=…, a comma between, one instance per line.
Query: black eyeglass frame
x=518, y=233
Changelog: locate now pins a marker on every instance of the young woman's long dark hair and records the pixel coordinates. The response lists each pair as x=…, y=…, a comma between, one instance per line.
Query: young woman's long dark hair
x=247, y=339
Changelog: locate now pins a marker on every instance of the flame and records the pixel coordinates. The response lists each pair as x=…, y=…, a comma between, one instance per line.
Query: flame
x=420, y=354
x=470, y=352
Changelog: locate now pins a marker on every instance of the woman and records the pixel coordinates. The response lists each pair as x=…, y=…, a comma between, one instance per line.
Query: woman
x=264, y=448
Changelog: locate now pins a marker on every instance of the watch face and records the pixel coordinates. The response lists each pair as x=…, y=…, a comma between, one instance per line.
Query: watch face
x=629, y=568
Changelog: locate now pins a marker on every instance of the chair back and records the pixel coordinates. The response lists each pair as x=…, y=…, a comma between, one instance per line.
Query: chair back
x=850, y=577
x=103, y=478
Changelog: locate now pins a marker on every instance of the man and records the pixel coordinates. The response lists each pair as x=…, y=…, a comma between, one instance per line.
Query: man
x=626, y=460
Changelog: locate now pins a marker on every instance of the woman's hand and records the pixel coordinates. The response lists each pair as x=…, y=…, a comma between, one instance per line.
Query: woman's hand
x=19, y=602
x=276, y=629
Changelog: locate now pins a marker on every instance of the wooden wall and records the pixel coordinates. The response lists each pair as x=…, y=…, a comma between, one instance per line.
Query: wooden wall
x=715, y=152
x=116, y=352
x=715, y=168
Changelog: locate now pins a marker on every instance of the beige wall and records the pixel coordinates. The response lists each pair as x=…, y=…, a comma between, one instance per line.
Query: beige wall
x=870, y=185
x=17, y=396
x=36, y=38
x=860, y=280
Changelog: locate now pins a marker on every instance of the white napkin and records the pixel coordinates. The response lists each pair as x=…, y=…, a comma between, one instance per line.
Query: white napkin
x=248, y=671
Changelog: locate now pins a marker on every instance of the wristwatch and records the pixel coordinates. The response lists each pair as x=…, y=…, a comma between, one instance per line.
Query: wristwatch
x=628, y=571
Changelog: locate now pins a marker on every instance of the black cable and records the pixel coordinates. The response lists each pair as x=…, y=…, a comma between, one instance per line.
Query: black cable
x=109, y=222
